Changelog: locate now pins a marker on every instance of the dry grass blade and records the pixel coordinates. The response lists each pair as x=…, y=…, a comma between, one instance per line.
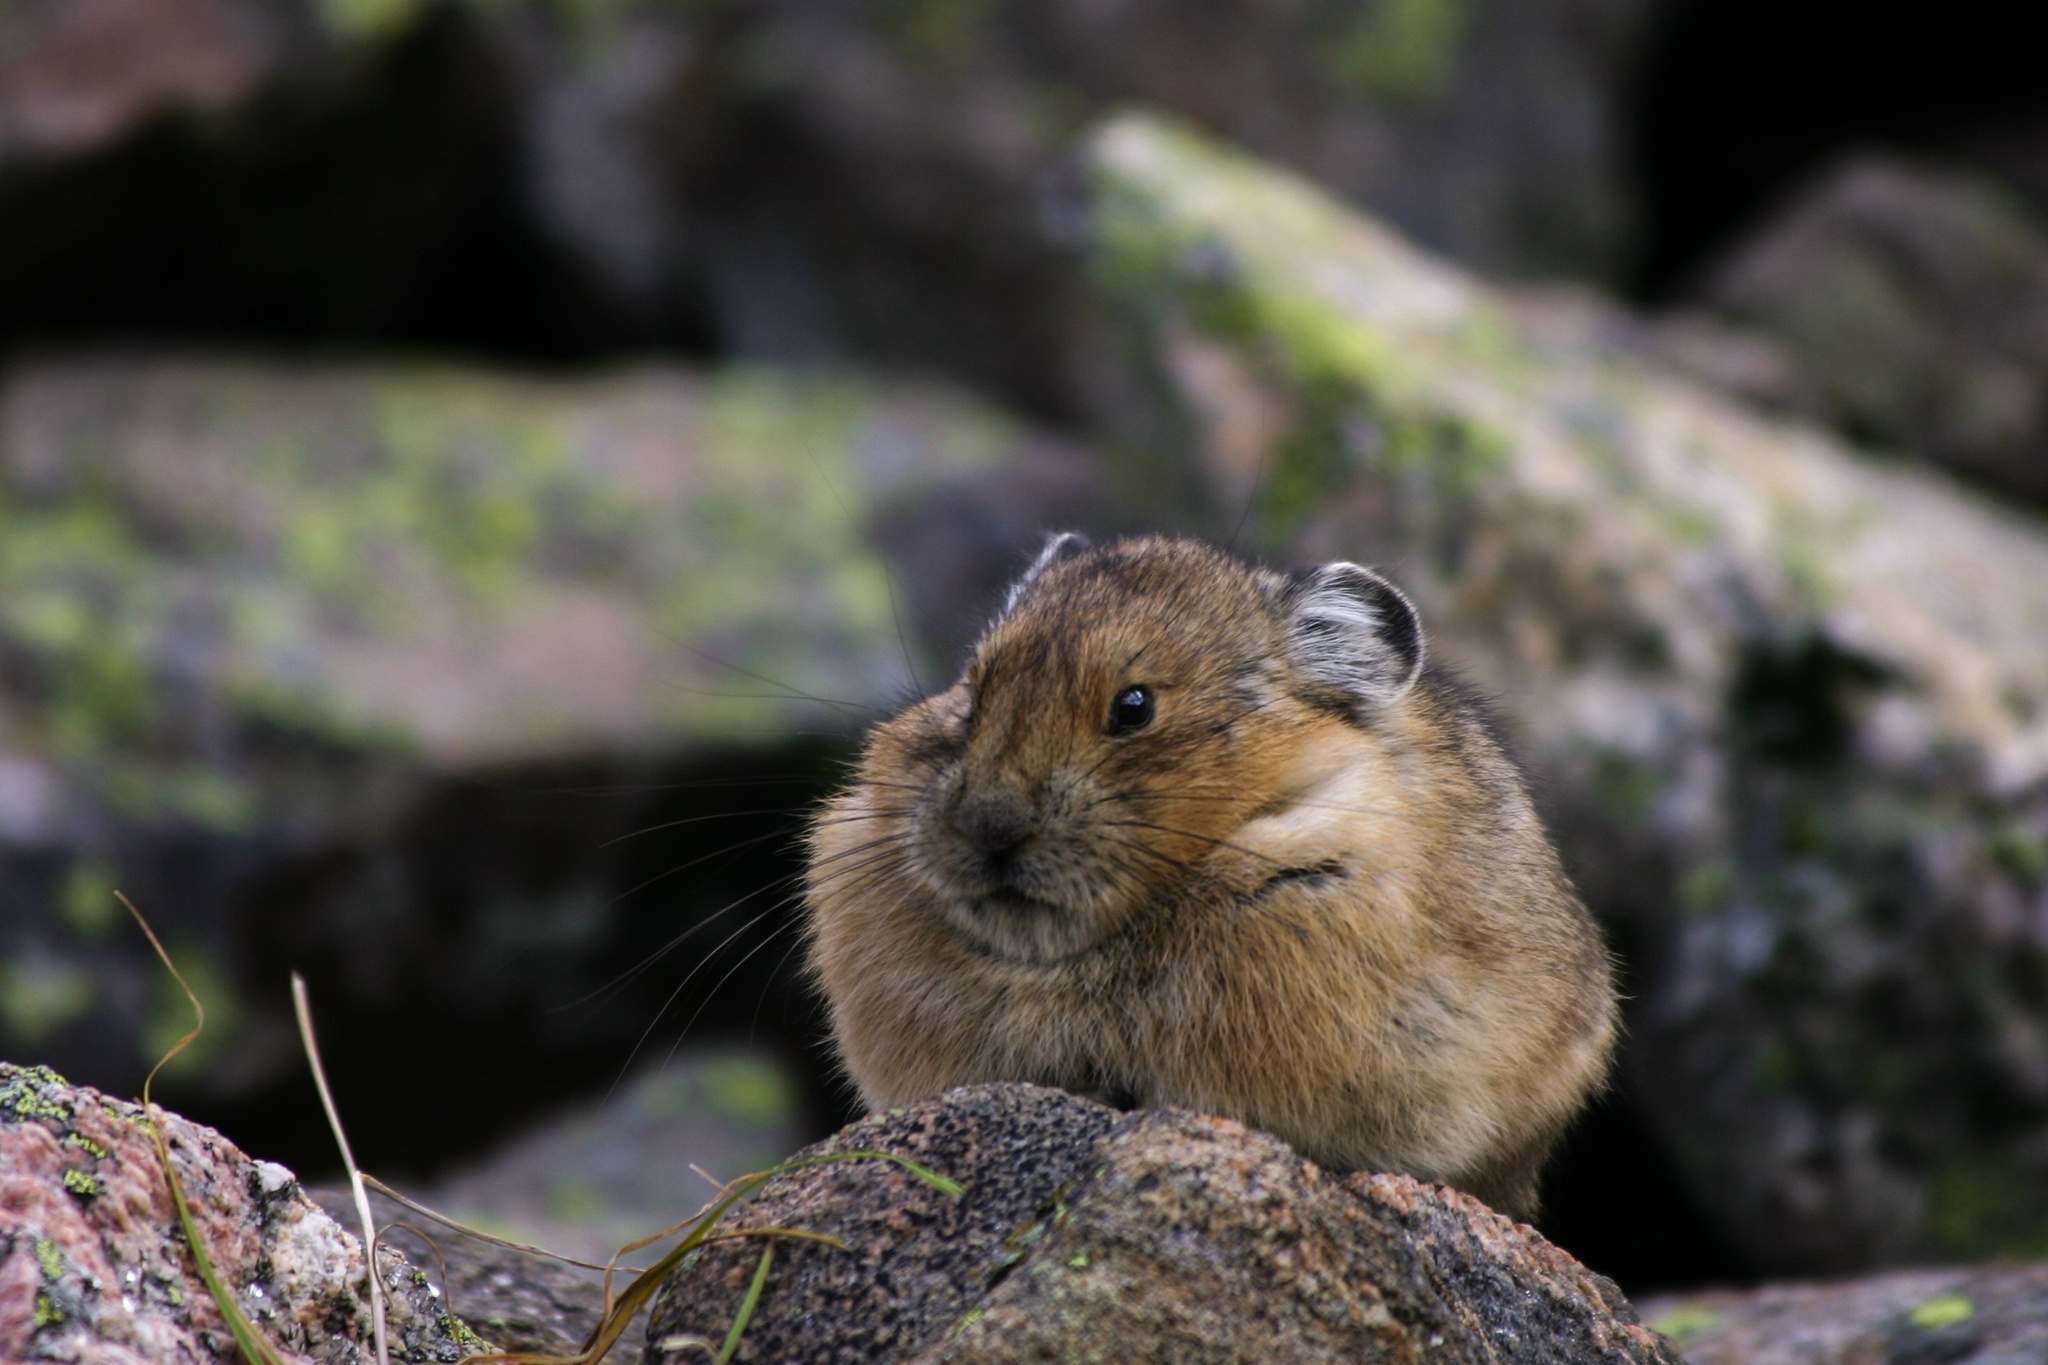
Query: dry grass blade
x=620, y=1311
x=254, y=1348
x=304, y=1009
x=526, y=1248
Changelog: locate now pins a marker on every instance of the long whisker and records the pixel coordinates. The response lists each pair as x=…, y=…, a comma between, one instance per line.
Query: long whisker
x=693, y=820
x=868, y=871
x=856, y=817
x=688, y=977
x=888, y=574
x=1156, y=854
x=1235, y=798
x=898, y=837
x=859, y=877
x=690, y=1023
x=627, y=977
x=788, y=692
x=641, y=788
x=796, y=941
x=1190, y=834
x=740, y=847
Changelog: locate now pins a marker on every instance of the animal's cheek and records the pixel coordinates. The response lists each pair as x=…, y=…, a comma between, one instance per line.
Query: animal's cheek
x=1081, y=792
x=940, y=790
x=936, y=838
x=929, y=732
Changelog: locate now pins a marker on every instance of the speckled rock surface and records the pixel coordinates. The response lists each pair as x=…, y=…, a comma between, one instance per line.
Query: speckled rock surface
x=1787, y=705
x=1988, y=1315
x=1085, y=1234
x=90, y=1268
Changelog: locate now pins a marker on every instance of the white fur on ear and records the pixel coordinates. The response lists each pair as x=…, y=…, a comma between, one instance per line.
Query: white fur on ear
x=1060, y=545
x=1351, y=629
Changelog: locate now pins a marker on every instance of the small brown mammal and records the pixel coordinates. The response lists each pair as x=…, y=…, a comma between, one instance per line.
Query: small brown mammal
x=1196, y=833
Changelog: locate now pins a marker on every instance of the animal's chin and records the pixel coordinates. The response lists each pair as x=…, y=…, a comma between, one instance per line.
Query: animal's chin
x=1014, y=926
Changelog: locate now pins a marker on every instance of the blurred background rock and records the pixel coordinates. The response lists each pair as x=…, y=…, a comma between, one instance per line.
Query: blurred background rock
x=469, y=470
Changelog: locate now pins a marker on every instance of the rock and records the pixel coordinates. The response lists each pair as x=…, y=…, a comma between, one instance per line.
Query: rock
x=1745, y=363
x=90, y=1269
x=1788, y=707
x=77, y=75
x=541, y=182
x=1982, y=1316
x=519, y=1302
x=358, y=194
x=313, y=662
x=1913, y=303
x=453, y=567
x=583, y=1184
x=681, y=154
x=601, y=1175
x=1085, y=1234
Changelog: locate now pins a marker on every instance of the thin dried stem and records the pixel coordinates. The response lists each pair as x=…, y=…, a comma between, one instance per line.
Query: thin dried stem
x=304, y=1009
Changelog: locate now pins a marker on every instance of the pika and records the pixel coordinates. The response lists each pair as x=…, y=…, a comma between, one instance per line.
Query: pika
x=1191, y=832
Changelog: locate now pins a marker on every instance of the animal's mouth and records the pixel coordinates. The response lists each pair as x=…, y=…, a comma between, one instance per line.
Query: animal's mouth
x=1009, y=901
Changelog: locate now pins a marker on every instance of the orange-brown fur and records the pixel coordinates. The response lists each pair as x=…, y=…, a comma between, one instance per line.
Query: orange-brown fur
x=1337, y=921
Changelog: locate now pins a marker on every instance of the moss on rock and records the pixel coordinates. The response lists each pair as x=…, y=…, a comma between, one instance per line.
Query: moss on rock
x=361, y=559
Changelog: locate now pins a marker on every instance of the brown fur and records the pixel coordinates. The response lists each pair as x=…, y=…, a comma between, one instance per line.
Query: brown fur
x=1335, y=920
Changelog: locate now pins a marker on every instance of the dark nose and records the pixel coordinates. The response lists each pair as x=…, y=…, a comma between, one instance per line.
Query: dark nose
x=994, y=822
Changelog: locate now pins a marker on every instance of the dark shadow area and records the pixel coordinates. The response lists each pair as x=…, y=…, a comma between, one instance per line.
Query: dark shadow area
x=383, y=211
x=1613, y=1195
x=521, y=945
x=1735, y=101
x=1614, y=1199
x=1796, y=704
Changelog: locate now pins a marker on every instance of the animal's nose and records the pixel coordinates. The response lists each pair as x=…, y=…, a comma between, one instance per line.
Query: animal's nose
x=994, y=822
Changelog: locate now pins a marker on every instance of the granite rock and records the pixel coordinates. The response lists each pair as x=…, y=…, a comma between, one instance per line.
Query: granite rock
x=90, y=1268
x=1086, y=1234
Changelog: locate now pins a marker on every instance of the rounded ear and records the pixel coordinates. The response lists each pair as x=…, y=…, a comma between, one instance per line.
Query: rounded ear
x=1060, y=545
x=1350, y=629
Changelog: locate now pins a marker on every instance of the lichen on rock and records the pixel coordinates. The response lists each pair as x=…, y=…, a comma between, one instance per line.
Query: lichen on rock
x=443, y=563
x=90, y=1267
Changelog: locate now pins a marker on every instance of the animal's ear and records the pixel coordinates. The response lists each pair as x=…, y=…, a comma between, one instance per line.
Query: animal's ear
x=1060, y=545
x=1350, y=629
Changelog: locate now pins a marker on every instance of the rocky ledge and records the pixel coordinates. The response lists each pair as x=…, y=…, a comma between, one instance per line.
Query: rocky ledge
x=1080, y=1233
x=1087, y=1234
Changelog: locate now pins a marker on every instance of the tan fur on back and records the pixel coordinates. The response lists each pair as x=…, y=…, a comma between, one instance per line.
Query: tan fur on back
x=1343, y=925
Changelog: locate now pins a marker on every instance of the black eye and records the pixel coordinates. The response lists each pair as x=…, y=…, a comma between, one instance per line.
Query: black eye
x=1132, y=710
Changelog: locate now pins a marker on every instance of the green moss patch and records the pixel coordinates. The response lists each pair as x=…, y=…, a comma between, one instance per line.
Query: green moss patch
x=213, y=574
